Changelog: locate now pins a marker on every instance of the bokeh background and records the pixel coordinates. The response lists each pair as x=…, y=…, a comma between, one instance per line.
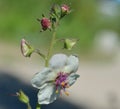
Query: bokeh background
x=95, y=22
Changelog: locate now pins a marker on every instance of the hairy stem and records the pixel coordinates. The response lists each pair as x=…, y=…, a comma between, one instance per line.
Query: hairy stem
x=42, y=55
x=28, y=106
x=50, y=48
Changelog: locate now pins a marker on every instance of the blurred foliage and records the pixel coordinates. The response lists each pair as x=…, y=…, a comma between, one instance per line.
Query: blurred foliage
x=18, y=20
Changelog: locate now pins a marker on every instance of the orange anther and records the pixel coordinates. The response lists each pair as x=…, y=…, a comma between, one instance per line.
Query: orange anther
x=66, y=93
x=63, y=83
x=67, y=86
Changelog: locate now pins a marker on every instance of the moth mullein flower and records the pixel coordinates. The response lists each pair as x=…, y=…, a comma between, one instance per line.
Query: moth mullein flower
x=45, y=23
x=26, y=48
x=56, y=78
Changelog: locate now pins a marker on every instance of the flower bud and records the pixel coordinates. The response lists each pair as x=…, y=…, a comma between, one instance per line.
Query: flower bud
x=69, y=43
x=26, y=49
x=23, y=97
x=45, y=23
x=65, y=10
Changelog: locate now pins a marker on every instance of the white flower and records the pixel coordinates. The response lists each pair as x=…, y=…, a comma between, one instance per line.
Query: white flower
x=56, y=78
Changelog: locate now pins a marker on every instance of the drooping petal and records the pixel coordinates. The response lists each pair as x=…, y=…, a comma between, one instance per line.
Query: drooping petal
x=47, y=94
x=72, y=78
x=46, y=75
x=72, y=64
x=58, y=61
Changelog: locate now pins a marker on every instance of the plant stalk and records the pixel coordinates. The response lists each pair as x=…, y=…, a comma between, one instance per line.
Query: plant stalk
x=28, y=106
x=42, y=55
x=50, y=48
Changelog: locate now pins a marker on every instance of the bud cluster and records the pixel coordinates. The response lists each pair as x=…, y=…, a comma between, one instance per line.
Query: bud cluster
x=56, y=13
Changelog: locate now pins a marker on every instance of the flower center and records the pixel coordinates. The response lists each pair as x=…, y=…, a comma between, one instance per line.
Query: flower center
x=61, y=82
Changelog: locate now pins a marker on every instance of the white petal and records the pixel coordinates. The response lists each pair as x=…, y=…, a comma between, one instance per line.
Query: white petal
x=72, y=78
x=72, y=64
x=58, y=61
x=42, y=77
x=47, y=94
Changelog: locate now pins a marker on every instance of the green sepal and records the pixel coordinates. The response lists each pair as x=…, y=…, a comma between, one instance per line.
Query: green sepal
x=56, y=11
x=55, y=15
x=30, y=51
x=23, y=97
x=64, y=14
x=69, y=43
x=26, y=48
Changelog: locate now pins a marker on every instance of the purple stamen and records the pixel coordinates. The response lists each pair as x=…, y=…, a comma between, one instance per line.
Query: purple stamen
x=60, y=81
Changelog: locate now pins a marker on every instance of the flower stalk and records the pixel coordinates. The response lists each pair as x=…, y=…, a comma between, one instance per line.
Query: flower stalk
x=28, y=106
x=42, y=55
x=50, y=48
x=38, y=106
x=24, y=98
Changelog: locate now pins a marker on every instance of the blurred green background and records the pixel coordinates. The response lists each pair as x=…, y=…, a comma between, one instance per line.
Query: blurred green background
x=18, y=20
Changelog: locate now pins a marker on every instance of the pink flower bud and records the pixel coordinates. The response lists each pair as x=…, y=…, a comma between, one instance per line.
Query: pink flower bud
x=46, y=24
x=65, y=8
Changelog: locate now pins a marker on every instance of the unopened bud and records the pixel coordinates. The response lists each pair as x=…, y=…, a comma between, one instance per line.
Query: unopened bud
x=45, y=23
x=26, y=48
x=23, y=97
x=65, y=10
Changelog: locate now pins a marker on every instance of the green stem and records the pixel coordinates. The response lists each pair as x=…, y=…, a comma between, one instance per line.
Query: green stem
x=28, y=106
x=42, y=55
x=38, y=106
x=50, y=48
